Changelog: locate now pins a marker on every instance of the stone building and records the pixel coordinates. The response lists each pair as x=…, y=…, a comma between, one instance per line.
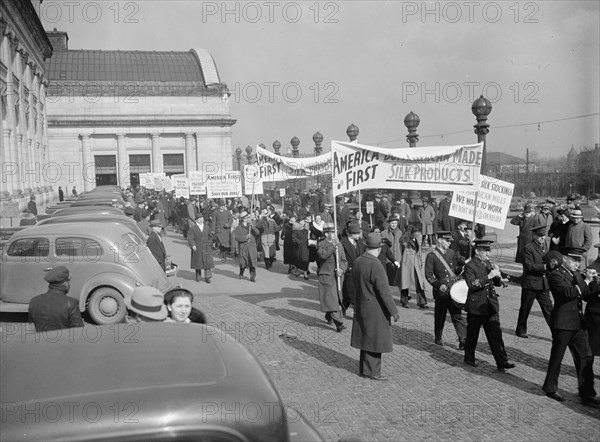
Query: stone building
x=115, y=114
x=24, y=156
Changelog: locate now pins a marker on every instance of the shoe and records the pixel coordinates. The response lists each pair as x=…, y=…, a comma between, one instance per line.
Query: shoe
x=340, y=328
x=439, y=342
x=289, y=270
x=344, y=312
x=328, y=319
x=240, y=276
x=556, y=396
x=461, y=345
x=592, y=401
x=405, y=305
x=506, y=366
x=423, y=306
x=207, y=280
x=472, y=363
x=375, y=378
x=253, y=278
x=522, y=335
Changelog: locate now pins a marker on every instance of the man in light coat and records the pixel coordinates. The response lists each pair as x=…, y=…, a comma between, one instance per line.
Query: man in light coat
x=374, y=306
x=200, y=242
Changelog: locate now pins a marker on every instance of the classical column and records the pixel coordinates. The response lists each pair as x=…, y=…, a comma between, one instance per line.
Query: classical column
x=157, y=159
x=191, y=160
x=122, y=162
x=88, y=168
x=31, y=180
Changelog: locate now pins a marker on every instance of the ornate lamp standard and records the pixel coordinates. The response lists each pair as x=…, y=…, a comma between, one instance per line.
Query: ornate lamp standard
x=295, y=142
x=318, y=139
x=352, y=132
x=481, y=108
x=411, y=121
x=249, y=155
x=276, y=147
x=238, y=158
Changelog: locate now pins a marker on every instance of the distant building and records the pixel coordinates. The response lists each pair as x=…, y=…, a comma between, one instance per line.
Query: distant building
x=24, y=47
x=116, y=114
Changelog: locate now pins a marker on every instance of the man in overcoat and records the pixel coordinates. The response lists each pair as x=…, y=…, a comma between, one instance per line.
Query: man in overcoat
x=461, y=239
x=447, y=221
x=441, y=268
x=200, y=241
x=353, y=247
x=483, y=308
x=380, y=213
x=426, y=216
x=374, y=306
x=569, y=328
x=54, y=310
x=156, y=245
x=221, y=228
x=534, y=284
x=244, y=234
x=525, y=221
x=329, y=295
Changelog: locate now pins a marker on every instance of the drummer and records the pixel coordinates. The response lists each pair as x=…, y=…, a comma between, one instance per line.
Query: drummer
x=441, y=268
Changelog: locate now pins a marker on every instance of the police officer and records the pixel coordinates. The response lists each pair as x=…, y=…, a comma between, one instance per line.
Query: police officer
x=483, y=308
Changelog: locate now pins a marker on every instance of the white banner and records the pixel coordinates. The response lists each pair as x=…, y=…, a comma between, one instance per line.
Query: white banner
x=272, y=167
x=167, y=184
x=158, y=183
x=224, y=185
x=252, y=182
x=182, y=186
x=358, y=167
x=197, y=185
x=147, y=180
x=493, y=201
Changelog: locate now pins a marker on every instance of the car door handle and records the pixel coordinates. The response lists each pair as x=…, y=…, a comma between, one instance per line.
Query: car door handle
x=48, y=269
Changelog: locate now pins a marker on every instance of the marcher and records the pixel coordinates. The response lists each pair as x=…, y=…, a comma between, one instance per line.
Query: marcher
x=200, y=241
x=447, y=222
x=410, y=276
x=592, y=308
x=353, y=247
x=245, y=234
x=331, y=260
x=534, y=284
x=404, y=213
x=380, y=212
x=579, y=235
x=426, y=216
x=461, y=239
x=525, y=221
x=32, y=206
x=289, y=254
x=267, y=228
x=221, y=229
x=442, y=266
x=54, y=310
x=393, y=235
x=146, y=304
x=483, y=308
x=569, y=329
x=300, y=243
x=156, y=245
x=61, y=194
x=374, y=306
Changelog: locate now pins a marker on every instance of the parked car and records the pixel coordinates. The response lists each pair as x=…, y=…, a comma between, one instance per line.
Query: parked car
x=87, y=218
x=87, y=209
x=140, y=382
x=106, y=260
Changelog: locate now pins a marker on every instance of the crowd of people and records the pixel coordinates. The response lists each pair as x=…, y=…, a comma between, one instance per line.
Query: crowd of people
x=358, y=262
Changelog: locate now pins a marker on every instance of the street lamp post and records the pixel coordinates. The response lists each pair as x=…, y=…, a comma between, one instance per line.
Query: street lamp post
x=276, y=147
x=411, y=121
x=318, y=139
x=249, y=155
x=352, y=132
x=238, y=158
x=481, y=108
x=295, y=142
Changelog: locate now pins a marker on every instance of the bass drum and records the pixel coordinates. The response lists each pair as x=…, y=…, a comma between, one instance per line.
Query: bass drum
x=458, y=293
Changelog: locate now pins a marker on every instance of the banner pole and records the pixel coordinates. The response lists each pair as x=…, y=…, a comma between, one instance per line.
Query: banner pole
x=337, y=254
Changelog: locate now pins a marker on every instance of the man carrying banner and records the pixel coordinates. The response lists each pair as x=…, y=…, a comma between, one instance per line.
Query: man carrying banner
x=441, y=266
x=328, y=268
x=353, y=247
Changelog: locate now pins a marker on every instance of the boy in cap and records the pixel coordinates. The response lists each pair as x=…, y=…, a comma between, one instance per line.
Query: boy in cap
x=54, y=310
x=534, y=284
x=568, y=326
x=483, y=308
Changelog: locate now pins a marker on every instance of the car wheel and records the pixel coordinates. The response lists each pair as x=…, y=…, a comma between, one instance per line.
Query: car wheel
x=107, y=306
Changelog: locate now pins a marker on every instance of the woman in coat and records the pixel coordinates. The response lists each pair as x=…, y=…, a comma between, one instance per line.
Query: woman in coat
x=200, y=241
x=245, y=236
x=316, y=234
x=300, y=244
x=289, y=255
x=410, y=277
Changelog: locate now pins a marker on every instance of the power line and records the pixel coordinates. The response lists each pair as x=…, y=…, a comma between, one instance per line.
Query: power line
x=538, y=123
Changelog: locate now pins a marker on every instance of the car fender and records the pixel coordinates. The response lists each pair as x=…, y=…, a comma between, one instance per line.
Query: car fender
x=122, y=283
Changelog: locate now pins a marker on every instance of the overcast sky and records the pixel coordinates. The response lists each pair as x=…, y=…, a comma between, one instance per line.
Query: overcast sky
x=298, y=67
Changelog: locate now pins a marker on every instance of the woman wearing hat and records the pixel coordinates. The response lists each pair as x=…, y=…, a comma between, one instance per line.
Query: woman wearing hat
x=200, y=242
x=289, y=255
x=179, y=304
x=426, y=218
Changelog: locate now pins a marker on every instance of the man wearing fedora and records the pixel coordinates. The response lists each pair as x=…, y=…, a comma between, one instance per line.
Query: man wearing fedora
x=374, y=307
x=200, y=241
x=331, y=260
x=404, y=213
x=441, y=268
x=221, y=229
x=483, y=308
x=568, y=326
x=525, y=221
x=353, y=246
x=579, y=235
x=54, y=310
x=146, y=304
x=380, y=213
x=156, y=244
x=534, y=284
x=392, y=235
x=426, y=216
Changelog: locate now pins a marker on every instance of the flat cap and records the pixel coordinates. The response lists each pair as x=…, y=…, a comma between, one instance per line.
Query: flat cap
x=57, y=275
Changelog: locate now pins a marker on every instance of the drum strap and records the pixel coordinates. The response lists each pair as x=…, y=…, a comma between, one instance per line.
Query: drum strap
x=443, y=260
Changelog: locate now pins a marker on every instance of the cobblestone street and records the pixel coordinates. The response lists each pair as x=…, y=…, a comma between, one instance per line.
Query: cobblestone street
x=430, y=395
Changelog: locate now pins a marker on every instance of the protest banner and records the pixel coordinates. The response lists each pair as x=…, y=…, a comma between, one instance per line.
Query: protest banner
x=167, y=184
x=158, y=180
x=358, y=166
x=252, y=182
x=493, y=201
x=197, y=185
x=224, y=185
x=147, y=180
x=272, y=167
x=182, y=186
